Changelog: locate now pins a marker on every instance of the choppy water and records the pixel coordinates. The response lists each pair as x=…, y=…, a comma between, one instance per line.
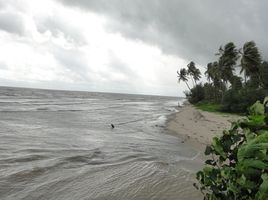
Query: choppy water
x=59, y=145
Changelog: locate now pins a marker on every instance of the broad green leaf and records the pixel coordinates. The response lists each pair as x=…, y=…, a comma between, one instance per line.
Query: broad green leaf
x=263, y=191
x=217, y=145
x=257, y=108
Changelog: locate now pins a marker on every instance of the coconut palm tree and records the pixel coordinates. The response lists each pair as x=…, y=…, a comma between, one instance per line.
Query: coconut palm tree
x=213, y=73
x=250, y=61
x=264, y=74
x=191, y=70
x=182, y=75
x=196, y=75
x=227, y=61
x=209, y=72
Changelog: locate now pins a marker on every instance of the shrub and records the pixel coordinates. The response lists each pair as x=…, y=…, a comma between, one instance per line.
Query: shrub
x=238, y=167
x=196, y=94
x=238, y=101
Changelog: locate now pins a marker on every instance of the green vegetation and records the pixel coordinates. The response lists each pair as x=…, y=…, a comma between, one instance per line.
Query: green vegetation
x=210, y=107
x=238, y=163
x=236, y=80
x=237, y=167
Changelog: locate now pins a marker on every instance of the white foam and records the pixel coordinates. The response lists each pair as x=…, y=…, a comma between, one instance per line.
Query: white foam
x=161, y=120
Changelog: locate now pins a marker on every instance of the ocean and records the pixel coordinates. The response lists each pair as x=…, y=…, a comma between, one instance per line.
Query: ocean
x=60, y=145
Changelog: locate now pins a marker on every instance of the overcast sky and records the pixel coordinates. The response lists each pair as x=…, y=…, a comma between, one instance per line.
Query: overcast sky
x=127, y=46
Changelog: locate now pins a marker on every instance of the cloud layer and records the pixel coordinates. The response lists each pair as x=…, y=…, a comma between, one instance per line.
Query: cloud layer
x=120, y=45
x=189, y=29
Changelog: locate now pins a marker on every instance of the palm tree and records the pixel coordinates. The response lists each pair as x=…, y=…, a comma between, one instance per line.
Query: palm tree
x=227, y=61
x=214, y=73
x=182, y=75
x=264, y=74
x=191, y=70
x=196, y=75
x=209, y=72
x=251, y=60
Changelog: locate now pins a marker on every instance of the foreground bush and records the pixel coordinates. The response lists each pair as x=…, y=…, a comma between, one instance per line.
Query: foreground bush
x=238, y=164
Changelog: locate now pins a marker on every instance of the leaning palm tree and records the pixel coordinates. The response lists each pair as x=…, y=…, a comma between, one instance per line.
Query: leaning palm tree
x=209, y=72
x=191, y=71
x=227, y=61
x=250, y=61
x=182, y=75
x=196, y=75
x=214, y=73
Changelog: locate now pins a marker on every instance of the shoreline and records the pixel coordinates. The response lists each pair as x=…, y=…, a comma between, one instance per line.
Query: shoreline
x=196, y=127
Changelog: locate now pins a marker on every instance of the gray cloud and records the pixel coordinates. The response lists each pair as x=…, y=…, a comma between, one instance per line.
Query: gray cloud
x=116, y=65
x=191, y=29
x=73, y=60
x=57, y=25
x=12, y=23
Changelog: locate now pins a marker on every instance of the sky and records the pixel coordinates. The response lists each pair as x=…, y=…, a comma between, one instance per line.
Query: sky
x=122, y=46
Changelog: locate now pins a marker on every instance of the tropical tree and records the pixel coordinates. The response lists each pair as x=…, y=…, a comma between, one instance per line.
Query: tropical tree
x=225, y=86
x=214, y=74
x=250, y=61
x=209, y=72
x=191, y=71
x=264, y=74
x=182, y=75
x=196, y=75
x=236, y=83
x=227, y=61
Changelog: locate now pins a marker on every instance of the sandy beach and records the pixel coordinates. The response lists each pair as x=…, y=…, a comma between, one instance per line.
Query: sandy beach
x=196, y=127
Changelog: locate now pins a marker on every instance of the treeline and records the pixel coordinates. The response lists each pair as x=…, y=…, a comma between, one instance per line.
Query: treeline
x=236, y=80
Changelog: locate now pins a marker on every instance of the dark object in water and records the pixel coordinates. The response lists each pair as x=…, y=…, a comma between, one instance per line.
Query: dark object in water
x=112, y=125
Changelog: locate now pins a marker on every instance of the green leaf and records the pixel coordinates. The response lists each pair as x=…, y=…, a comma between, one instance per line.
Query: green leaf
x=257, y=108
x=238, y=168
x=263, y=191
x=217, y=145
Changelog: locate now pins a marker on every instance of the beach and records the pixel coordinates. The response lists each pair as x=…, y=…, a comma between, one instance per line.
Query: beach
x=196, y=127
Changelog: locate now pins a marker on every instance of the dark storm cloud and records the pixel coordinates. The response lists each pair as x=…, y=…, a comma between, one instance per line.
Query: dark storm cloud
x=11, y=22
x=194, y=30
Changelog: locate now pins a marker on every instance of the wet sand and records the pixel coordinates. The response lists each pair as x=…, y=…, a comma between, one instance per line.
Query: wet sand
x=196, y=127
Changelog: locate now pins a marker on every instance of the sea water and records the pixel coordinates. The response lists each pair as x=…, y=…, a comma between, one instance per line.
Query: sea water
x=60, y=145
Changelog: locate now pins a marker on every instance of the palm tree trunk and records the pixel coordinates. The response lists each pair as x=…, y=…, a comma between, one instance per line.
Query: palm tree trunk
x=187, y=85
